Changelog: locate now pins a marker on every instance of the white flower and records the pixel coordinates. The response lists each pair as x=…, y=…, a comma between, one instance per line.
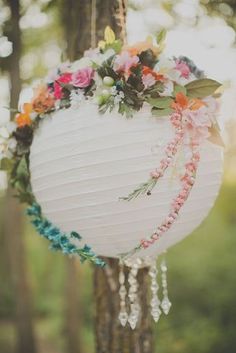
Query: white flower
x=175, y=75
x=164, y=65
x=76, y=97
x=114, y=91
x=98, y=58
x=92, y=53
x=167, y=66
x=212, y=105
x=81, y=64
x=168, y=89
x=148, y=80
x=119, y=97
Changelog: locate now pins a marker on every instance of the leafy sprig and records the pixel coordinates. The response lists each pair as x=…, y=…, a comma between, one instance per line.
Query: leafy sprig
x=144, y=188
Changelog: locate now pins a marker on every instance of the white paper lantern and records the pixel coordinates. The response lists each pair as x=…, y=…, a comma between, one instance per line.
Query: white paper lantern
x=82, y=162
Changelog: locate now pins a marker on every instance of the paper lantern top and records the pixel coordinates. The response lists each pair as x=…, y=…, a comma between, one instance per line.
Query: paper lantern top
x=124, y=79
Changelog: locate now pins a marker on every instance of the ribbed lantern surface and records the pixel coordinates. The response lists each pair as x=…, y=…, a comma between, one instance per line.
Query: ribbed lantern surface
x=82, y=162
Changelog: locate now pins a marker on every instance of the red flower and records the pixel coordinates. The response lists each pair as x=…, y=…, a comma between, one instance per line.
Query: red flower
x=64, y=78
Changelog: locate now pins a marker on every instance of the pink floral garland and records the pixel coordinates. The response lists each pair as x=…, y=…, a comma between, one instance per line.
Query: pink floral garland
x=172, y=147
x=182, y=134
x=187, y=181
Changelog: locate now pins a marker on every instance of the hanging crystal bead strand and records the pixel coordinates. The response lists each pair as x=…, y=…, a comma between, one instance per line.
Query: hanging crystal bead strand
x=165, y=304
x=133, y=295
x=123, y=315
x=155, y=302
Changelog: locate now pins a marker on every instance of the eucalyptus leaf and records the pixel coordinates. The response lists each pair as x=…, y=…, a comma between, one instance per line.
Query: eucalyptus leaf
x=161, y=112
x=161, y=102
x=201, y=88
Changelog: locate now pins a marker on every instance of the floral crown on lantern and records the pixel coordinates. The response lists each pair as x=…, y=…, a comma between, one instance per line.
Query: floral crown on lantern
x=122, y=78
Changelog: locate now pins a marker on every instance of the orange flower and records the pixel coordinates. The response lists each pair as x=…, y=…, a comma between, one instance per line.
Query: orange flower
x=183, y=102
x=142, y=46
x=23, y=119
x=147, y=70
x=43, y=100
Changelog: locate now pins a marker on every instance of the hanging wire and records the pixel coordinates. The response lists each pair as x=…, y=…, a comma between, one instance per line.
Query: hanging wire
x=93, y=23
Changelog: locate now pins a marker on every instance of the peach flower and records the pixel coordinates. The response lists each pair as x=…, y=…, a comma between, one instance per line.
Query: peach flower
x=23, y=118
x=142, y=46
x=43, y=100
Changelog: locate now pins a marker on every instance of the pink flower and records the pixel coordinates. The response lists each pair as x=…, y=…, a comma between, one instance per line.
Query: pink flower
x=197, y=124
x=183, y=68
x=65, y=78
x=83, y=77
x=148, y=80
x=125, y=61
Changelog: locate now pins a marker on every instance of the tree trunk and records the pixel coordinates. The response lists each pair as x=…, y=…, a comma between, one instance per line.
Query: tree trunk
x=13, y=225
x=110, y=336
x=76, y=16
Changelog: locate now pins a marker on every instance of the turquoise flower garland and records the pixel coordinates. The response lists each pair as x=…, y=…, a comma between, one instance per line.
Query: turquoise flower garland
x=61, y=241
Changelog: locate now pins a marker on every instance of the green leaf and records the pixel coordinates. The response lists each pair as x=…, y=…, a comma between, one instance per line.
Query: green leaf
x=161, y=102
x=126, y=110
x=201, y=88
x=106, y=70
x=155, y=90
x=161, y=112
x=178, y=89
x=109, y=35
x=161, y=36
x=136, y=82
x=22, y=168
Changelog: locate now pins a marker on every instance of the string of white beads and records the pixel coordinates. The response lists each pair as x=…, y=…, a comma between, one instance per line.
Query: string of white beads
x=133, y=296
x=155, y=302
x=165, y=304
x=123, y=315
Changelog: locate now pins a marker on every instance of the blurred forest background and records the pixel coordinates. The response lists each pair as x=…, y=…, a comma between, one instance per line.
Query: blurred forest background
x=50, y=297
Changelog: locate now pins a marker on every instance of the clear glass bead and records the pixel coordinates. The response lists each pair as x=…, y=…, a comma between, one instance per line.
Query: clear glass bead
x=166, y=305
x=156, y=313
